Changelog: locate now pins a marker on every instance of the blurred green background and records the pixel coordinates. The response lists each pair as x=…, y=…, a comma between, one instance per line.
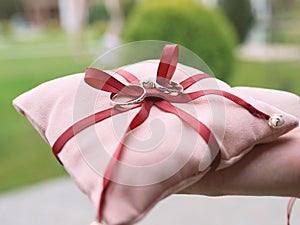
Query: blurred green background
x=36, y=47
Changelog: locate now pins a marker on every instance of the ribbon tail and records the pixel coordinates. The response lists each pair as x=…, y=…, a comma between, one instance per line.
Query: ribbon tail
x=188, y=97
x=83, y=124
x=139, y=118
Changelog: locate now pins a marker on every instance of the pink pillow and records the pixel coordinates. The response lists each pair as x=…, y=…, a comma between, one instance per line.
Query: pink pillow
x=283, y=100
x=160, y=154
x=270, y=169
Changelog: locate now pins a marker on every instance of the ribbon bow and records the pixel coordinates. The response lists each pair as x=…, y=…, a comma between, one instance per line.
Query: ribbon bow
x=160, y=92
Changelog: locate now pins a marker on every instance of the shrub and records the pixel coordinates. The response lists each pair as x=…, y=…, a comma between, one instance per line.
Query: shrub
x=240, y=13
x=204, y=31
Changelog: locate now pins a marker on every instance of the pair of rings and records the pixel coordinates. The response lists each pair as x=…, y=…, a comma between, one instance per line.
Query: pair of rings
x=139, y=91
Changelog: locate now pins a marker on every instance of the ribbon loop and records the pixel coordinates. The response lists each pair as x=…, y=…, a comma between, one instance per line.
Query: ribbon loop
x=103, y=81
x=167, y=64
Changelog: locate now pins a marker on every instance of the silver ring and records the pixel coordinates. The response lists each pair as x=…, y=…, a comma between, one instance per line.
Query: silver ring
x=148, y=82
x=129, y=103
x=173, y=88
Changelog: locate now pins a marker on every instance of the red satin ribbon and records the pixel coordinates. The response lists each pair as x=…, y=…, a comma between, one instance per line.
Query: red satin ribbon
x=167, y=66
x=168, y=62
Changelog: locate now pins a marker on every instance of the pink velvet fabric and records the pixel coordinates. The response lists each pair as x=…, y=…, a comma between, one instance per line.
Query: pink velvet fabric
x=50, y=108
x=270, y=169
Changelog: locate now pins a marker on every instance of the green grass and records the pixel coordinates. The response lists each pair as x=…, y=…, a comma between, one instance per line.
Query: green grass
x=25, y=158
x=275, y=75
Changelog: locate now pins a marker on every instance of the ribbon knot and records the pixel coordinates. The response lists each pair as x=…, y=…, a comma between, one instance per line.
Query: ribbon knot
x=160, y=87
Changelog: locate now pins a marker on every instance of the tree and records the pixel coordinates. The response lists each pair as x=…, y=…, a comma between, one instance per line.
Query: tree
x=240, y=13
